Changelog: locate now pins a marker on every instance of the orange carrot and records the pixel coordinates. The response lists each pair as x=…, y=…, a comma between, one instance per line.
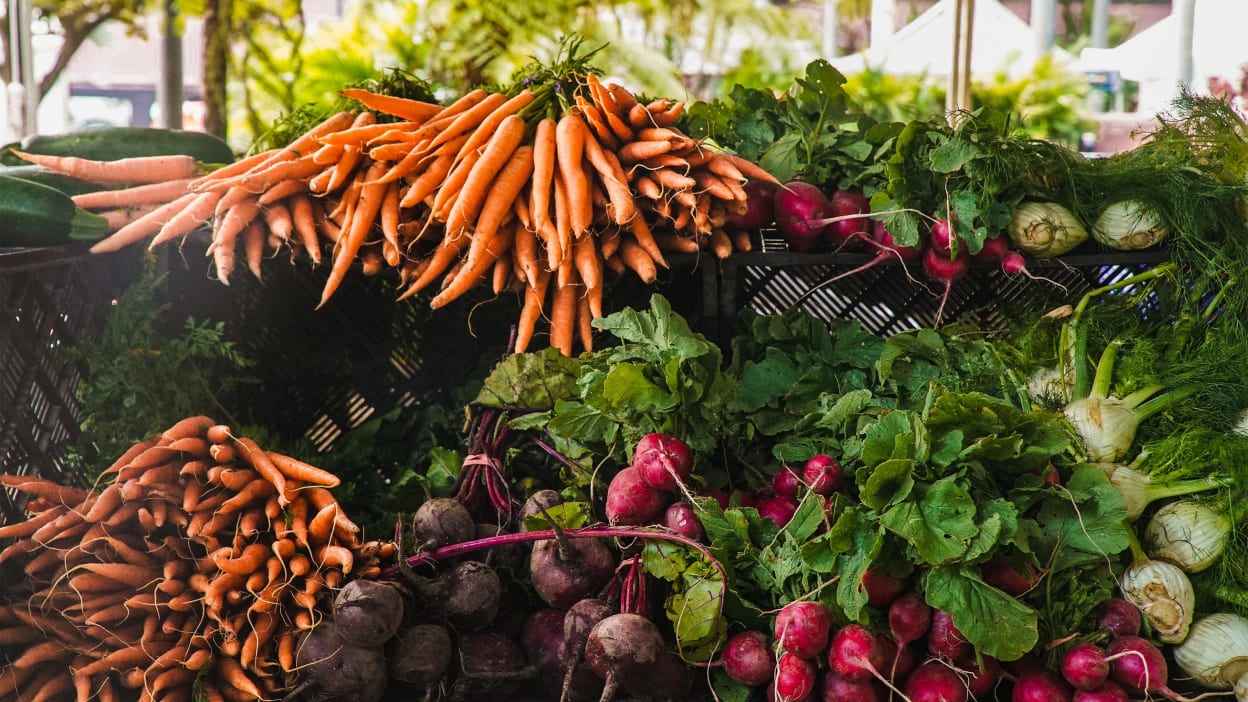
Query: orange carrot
x=42, y=487
x=142, y=227
x=584, y=323
x=482, y=132
x=637, y=259
x=570, y=136
x=612, y=176
x=370, y=200
x=637, y=151
x=589, y=267
x=641, y=233
x=428, y=180
x=496, y=154
x=304, y=221
x=265, y=467
x=468, y=119
x=147, y=194
x=543, y=172
x=230, y=672
x=22, y=529
x=748, y=168
x=245, y=563
x=502, y=275
x=254, y=491
x=474, y=268
x=415, y=111
x=524, y=254
x=138, y=169
x=300, y=168
x=295, y=469
x=563, y=318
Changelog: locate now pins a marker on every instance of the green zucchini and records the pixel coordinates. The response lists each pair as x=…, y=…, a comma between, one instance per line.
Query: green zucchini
x=65, y=183
x=113, y=143
x=34, y=214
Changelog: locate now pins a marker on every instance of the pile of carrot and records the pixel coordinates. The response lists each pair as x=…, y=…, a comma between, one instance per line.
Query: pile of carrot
x=191, y=567
x=496, y=188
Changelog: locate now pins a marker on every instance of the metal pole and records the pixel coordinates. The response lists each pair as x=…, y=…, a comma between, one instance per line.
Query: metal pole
x=831, y=28
x=883, y=21
x=1185, y=14
x=170, y=93
x=1044, y=24
x=1100, y=24
x=23, y=90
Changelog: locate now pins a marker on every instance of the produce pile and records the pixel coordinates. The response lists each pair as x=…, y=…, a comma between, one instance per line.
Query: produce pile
x=197, y=560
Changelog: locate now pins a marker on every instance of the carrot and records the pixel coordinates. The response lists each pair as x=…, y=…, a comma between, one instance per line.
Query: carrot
x=42, y=487
x=118, y=659
x=584, y=323
x=524, y=254
x=474, y=268
x=304, y=222
x=403, y=108
x=671, y=241
x=295, y=469
x=144, y=226
x=638, y=151
x=641, y=233
x=389, y=216
x=427, y=182
x=612, y=176
x=371, y=196
x=495, y=156
x=116, y=219
x=469, y=119
x=300, y=168
x=563, y=318
x=638, y=260
x=441, y=260
x=52, y=685
x=563, y=230
x=334, y=556
x=256, y=490
x=286, y=651
x=307, y=142
x=502, y=273
x=194, y=426
x=251, y=558
x=570, y=136
x=230, y=672
x=18, y=635
x=748, y=168
x=139, y=169
x=147, y=194
x=596, y=122
x=543, y=172
x=362, y=133
x=482, y=132
x=38, y=655
x=502, y=194
x=449, y=188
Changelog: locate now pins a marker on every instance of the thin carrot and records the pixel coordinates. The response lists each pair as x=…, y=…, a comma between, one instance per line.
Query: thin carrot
x=448, y=190
x=496, y=155
x=611, y=175
x=309, y=141
x=142, y=227
x=748, y=168
x=138, y=169
x=254, y=491
x=404, y=108
x=524, y=254
x=304, y=221
x=570, y=136
x=638, y=151
x=22, y=529
x=146, y=194
x=265, y=467
x=321, y=525
x=497, y=245
x=589, y=268
x=639, y=260
x=389, y=217
x=563, y=318
x=640, y=230
x=502, y=275
x=300, y=168
x=370, y=201
x=482, y=132
x=468, y=119
x=230, y=672
x=361, y=134
x=295, y=469
x=584, y=323
x=42, y=487
x=596, y=122
x=563, y=229
x=543, y=172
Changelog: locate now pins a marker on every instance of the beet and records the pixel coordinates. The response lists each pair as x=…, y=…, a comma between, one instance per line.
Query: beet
x=442, y=521
x=668, y=679
x=510, y=556
x=541, y=639
x=333, y=669
x=622, y=649
x=631, y=501
x=803, y=628
x=564, y=573
x=748, y=659
x=420, y=654
x=663, y=461
x=535, y=503
x=682, y=519
x=469, y=595
x=491, y=667
x=368, y=612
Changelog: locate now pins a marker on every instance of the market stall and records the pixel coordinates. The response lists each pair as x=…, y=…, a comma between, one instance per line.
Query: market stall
x=556, y=391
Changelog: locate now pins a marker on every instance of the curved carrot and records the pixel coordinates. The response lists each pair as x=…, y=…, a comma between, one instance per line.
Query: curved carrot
x=494, y=156
x=481, y=134
x=474, y=268
x=137, y=169
x=611, y=175
x=264, y=465
x=370, y=201
x=142, y=227
x=295, y=469
x=303, y=219
x=403, y=108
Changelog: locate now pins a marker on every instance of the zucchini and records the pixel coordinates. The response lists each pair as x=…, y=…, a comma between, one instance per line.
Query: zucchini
x=65, y=183
x=34, y=214
x=113, y=143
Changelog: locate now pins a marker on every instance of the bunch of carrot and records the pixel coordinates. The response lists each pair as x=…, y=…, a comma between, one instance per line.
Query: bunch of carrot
x=194, y=564
x=517, y=190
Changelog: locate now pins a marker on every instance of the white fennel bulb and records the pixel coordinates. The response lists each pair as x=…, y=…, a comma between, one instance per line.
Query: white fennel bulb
x=1215, y=653
x=1164, y=595
x=1187, y=533
x=1128, y=225
x=1045, y=229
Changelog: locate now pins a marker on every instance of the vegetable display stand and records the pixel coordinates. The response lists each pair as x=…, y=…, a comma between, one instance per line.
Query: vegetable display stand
x=52, y=296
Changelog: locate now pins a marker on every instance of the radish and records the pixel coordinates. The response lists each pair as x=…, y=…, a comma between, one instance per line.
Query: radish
x=934, y=682
x=997, y=250
x=800, y=209
x=748, y=658
x=1041, y=686
x=909, y=618
x=882, y=588
x=681, y=519
x=631, y=500
x=1119, y=617
x=854, y=206
x=786, y=482
x=982, y=683
x=942, y=269
x=943, y=638
x=794, y=680
x=760, y=196
x=902, y=657
x=623, y=647
x=856, y=654
x=663, y=461
x=822, y=474
x=993, y=250
x=1002, y=573
x=1084, y=666
x=1137, y=665
x=803, y=628
x=779, y=509
x=835, y=688
x=1108, y=692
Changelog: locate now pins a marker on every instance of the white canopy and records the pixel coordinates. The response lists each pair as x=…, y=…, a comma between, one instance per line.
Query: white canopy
x=1152, y=56
x=1001, y=42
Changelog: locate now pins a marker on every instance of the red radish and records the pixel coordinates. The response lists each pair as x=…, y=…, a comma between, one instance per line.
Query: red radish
x=855, y=653
x=997, y=250
x=803, y=628
x=1041, y=686
x=943, y=638
x=1084, y=666
x=934, y=682
x=663, y=461
x=785, y=482
x=909, y=617
x=834, y=688
x=631, y=501
x=881, y=587
x=1004, y=574
x=779, y=509
x=941, y=238
x=902, y=657
x=942, y=269
x=681, y=519
x=822, y=474
x=726, y=499
x=800, y=209
x=854, y=206
x=993, y=249
x=983, y=679
x=1119, y=617
x=794, y=680
x=748, y=658
x=1109, y=692
x=760, y=196
x=1137, y=665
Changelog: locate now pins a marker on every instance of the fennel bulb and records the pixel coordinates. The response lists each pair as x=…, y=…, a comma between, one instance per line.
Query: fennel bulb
x=1188, y=534
x=1045, y=229
x=1128, y=225
x=1164, y=595
x=1139, y=489
x=1215, y=653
